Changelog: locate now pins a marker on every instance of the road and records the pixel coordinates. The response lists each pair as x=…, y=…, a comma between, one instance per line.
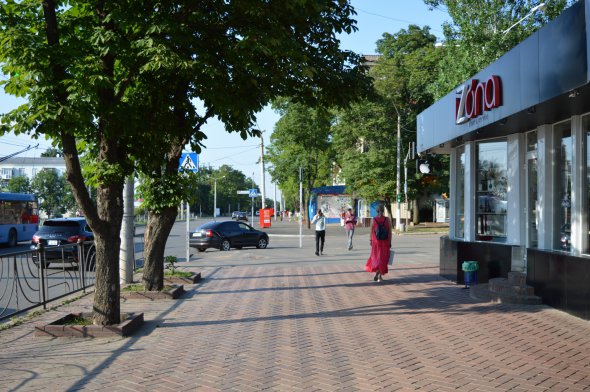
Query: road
x=284, y=247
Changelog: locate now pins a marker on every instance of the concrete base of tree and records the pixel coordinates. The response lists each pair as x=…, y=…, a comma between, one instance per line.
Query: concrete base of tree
x=58, y=328
x=173, y=293
x=194, y=278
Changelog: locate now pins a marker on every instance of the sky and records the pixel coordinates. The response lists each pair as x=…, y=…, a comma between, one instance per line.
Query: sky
x=374, y=17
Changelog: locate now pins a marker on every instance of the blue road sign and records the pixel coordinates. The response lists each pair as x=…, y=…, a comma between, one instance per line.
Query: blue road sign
x=253, y=192
x=189, y=161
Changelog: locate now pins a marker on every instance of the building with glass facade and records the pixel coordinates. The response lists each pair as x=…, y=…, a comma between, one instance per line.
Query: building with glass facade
x=518, y=134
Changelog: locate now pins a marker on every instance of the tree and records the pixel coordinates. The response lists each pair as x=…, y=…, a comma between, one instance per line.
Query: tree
x=365, y=135
x=247, y=55
x=19, y=184
x=75, y=64
x=475, y=37
x=301, y=139
x=121, y=78
x=52, y=153
x=53, y=192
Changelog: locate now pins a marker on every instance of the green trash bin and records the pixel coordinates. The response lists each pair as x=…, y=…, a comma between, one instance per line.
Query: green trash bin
x=470, y=272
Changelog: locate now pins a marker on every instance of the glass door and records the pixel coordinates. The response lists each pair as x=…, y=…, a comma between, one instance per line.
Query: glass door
x=532, y=199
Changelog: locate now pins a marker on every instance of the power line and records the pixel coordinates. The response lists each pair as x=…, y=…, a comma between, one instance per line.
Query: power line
x=395, y=19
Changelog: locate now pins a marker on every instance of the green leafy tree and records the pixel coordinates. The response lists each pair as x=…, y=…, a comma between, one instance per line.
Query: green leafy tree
x=475, y=37
x=121, y=77
x=50, y=188
x=248, y=54
x=75, y=64
x=365, y=135
x=301, y=139
x=19, y=184
x=51, y=153
x=230, y=182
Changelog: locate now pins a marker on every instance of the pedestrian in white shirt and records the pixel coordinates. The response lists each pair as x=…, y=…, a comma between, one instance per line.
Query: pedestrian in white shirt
x=320, y=232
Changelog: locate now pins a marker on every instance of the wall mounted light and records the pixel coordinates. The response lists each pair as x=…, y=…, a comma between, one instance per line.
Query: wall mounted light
x=532, y=110
x=574, y=93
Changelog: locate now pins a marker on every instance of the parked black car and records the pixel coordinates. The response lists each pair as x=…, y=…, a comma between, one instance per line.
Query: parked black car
x=227, y=235
x=59, y=238
x=239, y=215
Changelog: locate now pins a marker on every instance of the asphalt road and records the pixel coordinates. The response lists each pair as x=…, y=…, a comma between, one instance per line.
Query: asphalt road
x=284, y=247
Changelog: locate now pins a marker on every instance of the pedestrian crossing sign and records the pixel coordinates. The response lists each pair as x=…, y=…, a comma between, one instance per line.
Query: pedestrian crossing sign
x=189, y=161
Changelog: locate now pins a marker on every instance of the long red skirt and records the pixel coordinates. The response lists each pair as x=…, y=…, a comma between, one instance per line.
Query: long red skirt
x=379, y=257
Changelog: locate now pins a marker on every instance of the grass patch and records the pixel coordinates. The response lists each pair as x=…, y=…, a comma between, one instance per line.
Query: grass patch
x=78, y=320
x=181, y=274
x=141, y=287
x=19, y=320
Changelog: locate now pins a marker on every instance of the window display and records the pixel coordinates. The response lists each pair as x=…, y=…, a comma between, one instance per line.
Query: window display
x=491, y=202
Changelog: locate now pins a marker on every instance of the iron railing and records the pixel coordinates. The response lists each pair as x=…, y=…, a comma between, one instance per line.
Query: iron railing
x=38, y=276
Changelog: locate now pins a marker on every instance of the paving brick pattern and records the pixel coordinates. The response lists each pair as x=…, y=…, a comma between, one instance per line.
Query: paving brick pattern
x=313, y=328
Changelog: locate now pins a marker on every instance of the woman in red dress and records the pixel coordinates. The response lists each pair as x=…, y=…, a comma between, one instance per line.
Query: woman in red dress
x=380, y=248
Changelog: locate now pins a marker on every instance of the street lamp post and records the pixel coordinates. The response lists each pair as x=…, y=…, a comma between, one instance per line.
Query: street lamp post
x=215, y=197
x=541, y=7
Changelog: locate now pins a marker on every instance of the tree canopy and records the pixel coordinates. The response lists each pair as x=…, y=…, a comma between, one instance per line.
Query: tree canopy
x=475, y=37
x=118, y=80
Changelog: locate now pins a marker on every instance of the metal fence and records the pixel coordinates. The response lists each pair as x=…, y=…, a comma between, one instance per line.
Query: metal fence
x=36, y=277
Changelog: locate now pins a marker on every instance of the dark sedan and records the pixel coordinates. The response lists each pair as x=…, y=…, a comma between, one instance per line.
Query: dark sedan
x=238, y=215
x=227, y=235
x=59, y=238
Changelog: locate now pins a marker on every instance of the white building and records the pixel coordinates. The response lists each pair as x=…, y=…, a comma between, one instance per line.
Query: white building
x=15, y=167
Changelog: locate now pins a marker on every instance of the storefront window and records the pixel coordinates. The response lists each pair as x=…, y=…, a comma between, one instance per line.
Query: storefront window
x=531, y=141
x=563, y=181
x=492, y=186
x=586, y=127
x=460, y=194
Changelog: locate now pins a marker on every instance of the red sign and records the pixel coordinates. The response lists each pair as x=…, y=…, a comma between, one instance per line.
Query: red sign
x=477, y=97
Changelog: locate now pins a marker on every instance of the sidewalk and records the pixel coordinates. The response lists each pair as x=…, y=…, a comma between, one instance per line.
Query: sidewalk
x=312, y=328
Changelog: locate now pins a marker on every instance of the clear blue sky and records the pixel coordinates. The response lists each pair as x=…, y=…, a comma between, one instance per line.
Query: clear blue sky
x=374, y=17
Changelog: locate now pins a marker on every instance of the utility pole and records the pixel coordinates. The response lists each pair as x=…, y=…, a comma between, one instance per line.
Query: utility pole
x=409, y=155
x=262, y=181
x=252, y=200
x=300, y=207
x=275, y=200
x=126, y=252
x=398, y=213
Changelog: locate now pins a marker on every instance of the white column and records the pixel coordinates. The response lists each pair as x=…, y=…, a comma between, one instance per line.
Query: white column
x=262, y=176
x=470, y=188
x=579, y=215
x=515, y=214
x=546, y=181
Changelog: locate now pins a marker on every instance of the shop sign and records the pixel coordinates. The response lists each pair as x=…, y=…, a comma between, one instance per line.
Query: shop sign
x=477, y=97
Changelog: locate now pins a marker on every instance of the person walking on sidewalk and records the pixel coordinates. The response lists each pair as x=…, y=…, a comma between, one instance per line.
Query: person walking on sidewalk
x=349, y=224
x=380, y=245
x=320, y=232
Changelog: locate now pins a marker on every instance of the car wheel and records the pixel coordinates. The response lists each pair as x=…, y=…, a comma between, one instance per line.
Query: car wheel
x=225, y=245
x=12, y=238
x=262, y=243
x=201, y=249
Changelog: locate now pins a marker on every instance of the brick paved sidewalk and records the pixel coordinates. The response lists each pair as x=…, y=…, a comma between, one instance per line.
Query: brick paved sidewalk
x=313, y=328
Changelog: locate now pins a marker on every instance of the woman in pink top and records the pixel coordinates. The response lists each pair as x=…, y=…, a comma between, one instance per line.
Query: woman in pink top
x=380, y=248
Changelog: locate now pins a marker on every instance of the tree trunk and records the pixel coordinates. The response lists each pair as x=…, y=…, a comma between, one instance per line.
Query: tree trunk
x=156, y=234
x=107, y=307
x=415, y=217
